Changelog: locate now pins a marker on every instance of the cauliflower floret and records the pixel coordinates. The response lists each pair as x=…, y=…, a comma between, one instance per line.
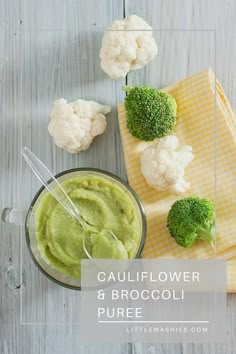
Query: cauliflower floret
x=163, y=164
x=126, y=47
x=74, y=125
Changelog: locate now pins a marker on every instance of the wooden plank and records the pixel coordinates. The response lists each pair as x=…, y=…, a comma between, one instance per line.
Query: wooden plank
x=48, y=49
x=181, y=53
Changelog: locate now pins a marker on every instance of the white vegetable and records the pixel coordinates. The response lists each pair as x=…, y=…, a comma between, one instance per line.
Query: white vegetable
x=126, y=47
x=74, y=125
x=163, y=164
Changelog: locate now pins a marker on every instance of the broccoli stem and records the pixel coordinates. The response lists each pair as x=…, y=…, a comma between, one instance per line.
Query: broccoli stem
x=127, y=88
x=207, y=234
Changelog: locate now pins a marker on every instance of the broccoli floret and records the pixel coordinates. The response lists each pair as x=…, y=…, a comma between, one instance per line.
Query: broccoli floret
x=190, y=219
x=151, y=114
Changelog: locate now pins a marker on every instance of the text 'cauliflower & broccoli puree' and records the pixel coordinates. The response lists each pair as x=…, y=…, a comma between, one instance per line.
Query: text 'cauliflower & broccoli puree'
x=101, y=203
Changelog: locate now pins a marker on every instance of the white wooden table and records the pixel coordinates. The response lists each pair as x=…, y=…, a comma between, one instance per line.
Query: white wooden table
x=49, y=49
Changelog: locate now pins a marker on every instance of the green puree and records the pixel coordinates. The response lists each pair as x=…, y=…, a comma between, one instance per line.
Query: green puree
x=101, y=203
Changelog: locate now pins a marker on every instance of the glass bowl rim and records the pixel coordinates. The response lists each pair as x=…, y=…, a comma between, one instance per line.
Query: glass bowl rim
x=102, y=172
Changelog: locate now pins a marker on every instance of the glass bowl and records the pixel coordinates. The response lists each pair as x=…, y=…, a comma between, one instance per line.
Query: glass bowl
x=47, y=269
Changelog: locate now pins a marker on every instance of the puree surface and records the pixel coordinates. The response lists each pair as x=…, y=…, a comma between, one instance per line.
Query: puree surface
x=101, y=203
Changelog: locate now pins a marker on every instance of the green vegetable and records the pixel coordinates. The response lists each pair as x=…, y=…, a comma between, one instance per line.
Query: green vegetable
x=151, y=114
x=191, y=219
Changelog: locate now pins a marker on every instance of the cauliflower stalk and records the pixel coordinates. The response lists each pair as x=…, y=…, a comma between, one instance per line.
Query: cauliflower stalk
x=126, y=47
x=74, y=125
x=163, y=164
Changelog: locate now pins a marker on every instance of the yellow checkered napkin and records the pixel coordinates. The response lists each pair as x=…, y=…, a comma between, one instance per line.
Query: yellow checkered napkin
x=206, y=122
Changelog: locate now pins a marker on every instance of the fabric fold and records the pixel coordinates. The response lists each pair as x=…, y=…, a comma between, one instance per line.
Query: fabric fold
x=205, y=121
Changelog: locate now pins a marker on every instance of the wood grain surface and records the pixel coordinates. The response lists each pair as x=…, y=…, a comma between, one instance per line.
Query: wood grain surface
x=50, y=49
